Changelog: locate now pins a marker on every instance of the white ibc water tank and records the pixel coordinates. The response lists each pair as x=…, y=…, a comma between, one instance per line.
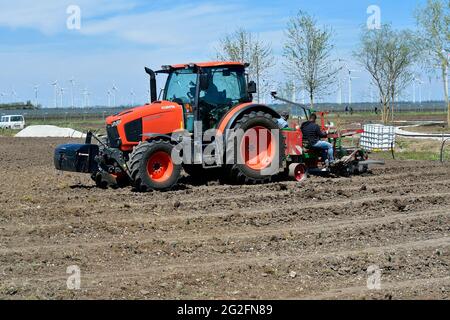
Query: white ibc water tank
x=377, y=137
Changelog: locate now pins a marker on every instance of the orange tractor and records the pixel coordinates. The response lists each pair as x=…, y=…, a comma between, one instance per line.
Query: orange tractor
x=205, y=120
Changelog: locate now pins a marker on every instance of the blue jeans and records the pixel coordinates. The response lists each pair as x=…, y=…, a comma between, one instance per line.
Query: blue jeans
x=327, y=149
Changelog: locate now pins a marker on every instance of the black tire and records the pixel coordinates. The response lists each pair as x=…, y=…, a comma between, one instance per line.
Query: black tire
x=241, y=173
x=139, y=162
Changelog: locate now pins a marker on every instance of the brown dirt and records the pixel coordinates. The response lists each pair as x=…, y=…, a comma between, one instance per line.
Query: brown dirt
x=276, y=241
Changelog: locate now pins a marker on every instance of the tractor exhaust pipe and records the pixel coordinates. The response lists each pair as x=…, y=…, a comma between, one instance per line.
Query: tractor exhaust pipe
x=152, y=75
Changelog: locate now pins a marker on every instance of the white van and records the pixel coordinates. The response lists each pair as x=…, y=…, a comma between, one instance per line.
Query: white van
x=12, y=122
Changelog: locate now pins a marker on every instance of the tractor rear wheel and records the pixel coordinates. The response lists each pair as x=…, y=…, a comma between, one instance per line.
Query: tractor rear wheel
x=152, y=167
x=261, y=151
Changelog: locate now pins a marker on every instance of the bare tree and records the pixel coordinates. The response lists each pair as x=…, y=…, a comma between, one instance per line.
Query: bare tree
x=434, y=22
x=307, y=51
x=236, y=46
x=388, y=56
x=286, y=89
x=261, y=62
x=243, y=46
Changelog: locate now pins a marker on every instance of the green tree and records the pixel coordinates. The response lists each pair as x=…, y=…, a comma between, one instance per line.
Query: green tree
x=433, y=20
x=389, y=57
x=307, y=51
x=243, y=46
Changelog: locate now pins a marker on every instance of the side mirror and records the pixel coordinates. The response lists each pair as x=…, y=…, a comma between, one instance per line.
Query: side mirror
x=251, y=87
x=204, y=82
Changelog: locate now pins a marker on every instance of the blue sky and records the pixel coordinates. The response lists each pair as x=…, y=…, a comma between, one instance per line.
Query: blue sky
x=119, y=37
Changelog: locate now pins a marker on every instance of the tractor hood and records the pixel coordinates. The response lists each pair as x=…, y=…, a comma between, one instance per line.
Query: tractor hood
x=135, y=125
x=158, y=107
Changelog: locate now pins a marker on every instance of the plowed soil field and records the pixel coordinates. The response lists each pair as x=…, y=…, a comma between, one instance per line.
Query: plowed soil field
x=283, y=240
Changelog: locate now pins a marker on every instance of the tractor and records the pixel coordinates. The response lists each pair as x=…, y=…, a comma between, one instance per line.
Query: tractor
x=204, y=120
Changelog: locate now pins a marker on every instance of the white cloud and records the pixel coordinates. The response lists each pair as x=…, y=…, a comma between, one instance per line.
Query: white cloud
x=49, y=16
x=186, y=25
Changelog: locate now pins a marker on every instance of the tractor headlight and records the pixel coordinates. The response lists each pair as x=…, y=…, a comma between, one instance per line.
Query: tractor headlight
x=116, y=123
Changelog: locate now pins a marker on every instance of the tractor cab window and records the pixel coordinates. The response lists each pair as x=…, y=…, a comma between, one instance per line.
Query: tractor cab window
x=181, y=86
x=300, y=113
x=227, y=88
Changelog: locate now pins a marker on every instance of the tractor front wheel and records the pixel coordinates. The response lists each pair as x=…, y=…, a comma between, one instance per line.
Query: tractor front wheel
x=152, y=167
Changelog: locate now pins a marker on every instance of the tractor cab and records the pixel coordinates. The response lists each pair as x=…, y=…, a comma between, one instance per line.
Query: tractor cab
x=207, y=91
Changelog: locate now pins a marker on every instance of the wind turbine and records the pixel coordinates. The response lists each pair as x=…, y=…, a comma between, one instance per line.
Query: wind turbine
x=85, y=98
x=36, y=92
x=55, y=86
x=419, y=82
x=2, y=95
x=14, y=94
x=109, y=98
x=62, y=96
x=114, y=90
x=339, y=97
x=429, y=88
x=72, y=85
x=350, y=79
x=133, y=94
x=294, y=91
x=88, y=94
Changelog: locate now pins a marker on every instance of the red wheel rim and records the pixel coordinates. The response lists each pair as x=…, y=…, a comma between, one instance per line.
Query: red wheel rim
x=258, y=148
x=160, y=166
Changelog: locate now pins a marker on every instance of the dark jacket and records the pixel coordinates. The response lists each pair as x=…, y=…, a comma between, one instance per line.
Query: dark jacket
x=311, y=133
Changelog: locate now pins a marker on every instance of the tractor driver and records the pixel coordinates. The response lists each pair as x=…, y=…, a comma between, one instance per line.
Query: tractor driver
x=312, y=135
x=208, y=103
